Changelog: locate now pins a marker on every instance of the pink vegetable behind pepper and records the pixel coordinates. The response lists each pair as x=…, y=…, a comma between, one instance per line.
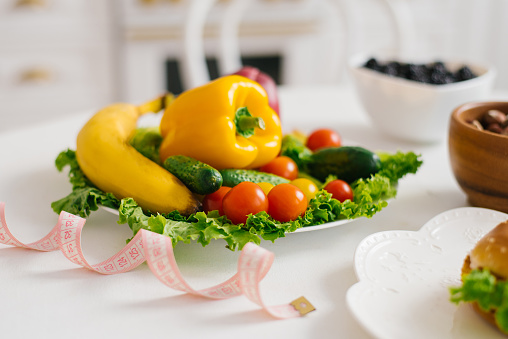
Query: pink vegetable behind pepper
x=264, y=80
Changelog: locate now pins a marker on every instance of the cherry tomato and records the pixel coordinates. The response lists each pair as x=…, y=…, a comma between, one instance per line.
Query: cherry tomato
x=282, y=166
x=339, y=190
x=322, y=138
x=242, y=200
x=286, y=202
x=265, y=186
x=308, y=187
x=213, y=201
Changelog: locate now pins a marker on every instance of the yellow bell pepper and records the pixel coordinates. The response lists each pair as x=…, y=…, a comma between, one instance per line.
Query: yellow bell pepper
x=226, y=123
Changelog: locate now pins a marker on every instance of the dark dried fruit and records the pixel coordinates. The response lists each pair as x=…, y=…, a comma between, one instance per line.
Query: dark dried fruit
x=392, y=68
x=432, y=73
x=438, y=66
x=418, y=73
x=464, y=73
x=372, y=64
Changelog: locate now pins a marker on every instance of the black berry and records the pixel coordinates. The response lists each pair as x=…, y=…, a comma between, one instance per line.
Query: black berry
x=431, y=73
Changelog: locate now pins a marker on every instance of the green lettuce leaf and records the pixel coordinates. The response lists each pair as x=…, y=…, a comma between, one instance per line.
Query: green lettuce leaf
x=85, y=197
x=83, y=200
x=147, y=140
x=76, y=177
x=294, y=148
x=490, y=293
x=203, y=227
x=396, y=166
x=370, y=197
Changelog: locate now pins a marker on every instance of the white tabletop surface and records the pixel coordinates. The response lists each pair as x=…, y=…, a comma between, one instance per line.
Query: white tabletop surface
x=44, y=295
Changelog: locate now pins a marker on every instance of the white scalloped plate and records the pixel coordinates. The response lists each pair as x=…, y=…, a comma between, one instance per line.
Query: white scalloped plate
x=303, y=229
x=404, y=278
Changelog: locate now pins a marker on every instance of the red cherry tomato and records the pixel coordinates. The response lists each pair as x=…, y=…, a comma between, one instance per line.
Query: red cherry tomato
x=339, y=190
x=242, y=200
x=322, y=138
x=282, y=166
x=286, y=202
x=213, y=201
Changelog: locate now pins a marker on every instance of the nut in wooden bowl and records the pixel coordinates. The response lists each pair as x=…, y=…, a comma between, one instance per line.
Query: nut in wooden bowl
x=479, y=156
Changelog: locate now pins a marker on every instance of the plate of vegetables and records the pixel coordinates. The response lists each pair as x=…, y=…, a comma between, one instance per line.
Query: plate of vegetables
x=219, y=167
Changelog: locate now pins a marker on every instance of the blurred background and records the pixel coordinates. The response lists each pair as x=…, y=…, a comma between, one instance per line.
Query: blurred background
x=59, y=57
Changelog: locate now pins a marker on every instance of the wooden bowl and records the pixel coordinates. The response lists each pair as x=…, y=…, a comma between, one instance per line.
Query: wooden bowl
x=479, y=159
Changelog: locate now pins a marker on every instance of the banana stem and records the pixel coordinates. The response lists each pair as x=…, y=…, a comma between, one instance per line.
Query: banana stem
x=156, y=105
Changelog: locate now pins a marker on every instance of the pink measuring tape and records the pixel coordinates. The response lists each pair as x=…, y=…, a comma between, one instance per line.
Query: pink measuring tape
x=253, y=264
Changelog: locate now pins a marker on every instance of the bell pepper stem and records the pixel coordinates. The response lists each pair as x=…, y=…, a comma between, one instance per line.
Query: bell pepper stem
x=246, y=123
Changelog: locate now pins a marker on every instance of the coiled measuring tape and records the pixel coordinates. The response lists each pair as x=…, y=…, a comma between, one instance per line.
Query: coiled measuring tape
x=157, y=250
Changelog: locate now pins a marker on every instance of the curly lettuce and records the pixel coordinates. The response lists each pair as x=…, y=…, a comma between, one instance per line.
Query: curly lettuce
x=396, y=166
x=203, y=227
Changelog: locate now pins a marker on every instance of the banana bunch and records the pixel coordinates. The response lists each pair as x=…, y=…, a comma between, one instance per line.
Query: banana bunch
x=113, y=165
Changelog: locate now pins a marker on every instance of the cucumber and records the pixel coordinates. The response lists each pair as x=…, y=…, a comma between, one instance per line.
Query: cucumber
x=199, y=177
x=347, y=163
x=232, y=177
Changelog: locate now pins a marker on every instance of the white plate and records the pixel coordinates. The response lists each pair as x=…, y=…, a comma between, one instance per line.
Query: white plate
x=404, y=278
x=303, y=229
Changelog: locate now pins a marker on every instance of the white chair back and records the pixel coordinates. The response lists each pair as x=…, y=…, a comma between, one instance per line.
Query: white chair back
x=337, y=15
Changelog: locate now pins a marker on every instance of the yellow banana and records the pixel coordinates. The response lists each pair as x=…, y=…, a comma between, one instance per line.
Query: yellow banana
x=113, y=165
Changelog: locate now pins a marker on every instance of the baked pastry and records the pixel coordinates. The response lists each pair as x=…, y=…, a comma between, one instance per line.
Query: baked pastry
x=484, y=278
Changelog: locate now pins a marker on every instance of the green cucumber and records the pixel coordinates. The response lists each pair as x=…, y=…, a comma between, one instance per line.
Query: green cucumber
x=347, y=163
x=232, y=177
x=199, y=177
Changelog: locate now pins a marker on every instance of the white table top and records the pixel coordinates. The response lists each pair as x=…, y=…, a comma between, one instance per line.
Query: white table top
x=45, y=295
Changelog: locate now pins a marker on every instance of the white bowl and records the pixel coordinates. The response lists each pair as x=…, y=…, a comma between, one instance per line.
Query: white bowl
x=412, y=110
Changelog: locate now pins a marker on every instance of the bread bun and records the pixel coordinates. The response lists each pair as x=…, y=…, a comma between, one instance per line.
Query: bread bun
x=489, y=316
x=491, y=252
